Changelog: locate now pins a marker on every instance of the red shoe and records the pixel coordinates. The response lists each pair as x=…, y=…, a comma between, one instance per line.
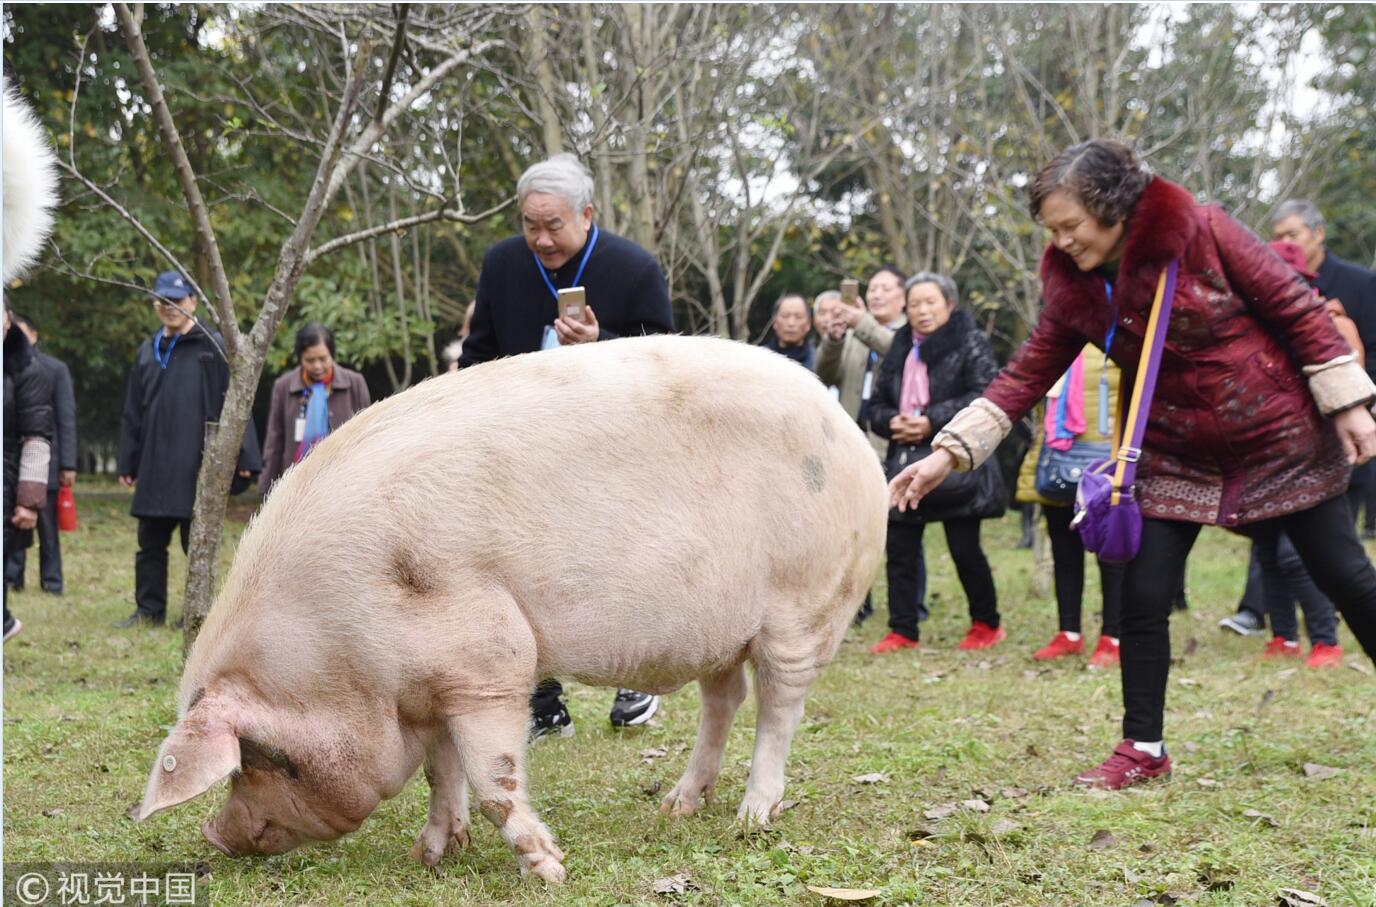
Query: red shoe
x=1280, y=647
x=1105, y=653
x=893, y=642
x=1127, y=766
x=1325, y=656
x=982, y=636
x=1060, y=646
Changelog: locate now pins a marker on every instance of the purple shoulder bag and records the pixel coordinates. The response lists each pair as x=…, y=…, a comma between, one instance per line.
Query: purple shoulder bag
x=1106, y=513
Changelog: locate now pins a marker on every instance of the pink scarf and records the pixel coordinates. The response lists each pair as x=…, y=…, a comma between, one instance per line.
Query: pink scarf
x=1061, y=437
x=915, y=393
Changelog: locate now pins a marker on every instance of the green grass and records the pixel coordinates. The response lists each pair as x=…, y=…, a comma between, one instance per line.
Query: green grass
x=86, y=706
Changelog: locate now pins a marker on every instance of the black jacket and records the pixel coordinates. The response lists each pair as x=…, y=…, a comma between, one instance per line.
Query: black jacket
x=28, y=414
x=162, y=431
x=64, y=416
x=1355, y=287
x=625, y=288
x=960, y=364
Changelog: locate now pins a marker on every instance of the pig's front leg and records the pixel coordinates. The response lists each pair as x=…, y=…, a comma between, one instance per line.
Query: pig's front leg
x=722, y=695
x=492, y=743
x=446, y=828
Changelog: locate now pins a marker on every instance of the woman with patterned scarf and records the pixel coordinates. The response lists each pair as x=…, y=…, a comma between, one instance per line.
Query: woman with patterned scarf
x=308, y=402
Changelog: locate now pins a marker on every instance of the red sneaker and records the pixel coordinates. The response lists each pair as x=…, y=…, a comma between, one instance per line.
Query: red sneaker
x=894, y=642
x=1325, y=656
x=1060, y=646
x=1280, y=647
x=982, y=636
x=1127, y=766
x=1105, y=653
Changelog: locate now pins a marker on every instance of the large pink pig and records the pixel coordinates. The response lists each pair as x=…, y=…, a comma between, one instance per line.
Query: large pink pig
x=640, y=514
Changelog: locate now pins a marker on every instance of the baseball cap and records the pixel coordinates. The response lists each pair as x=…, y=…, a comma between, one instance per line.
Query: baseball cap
x=172, y=285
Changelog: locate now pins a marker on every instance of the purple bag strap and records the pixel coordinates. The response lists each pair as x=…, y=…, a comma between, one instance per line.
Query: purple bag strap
x=1144, y=388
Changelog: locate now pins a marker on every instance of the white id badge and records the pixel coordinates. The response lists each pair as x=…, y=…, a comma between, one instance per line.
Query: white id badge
x=869, y=385
x=550, y=340
x=299, y=432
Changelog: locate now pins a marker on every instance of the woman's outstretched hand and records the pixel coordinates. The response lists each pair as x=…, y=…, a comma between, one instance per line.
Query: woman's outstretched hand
x=910, y=486
x=1357, y=431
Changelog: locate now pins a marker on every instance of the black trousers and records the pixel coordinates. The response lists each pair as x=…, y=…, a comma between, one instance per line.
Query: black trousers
x=1284, y=582
x=1068, y=568
x=907, y=572
x=150, y=564
x=1253, y=594
x=1326, y=541
x=49, y=551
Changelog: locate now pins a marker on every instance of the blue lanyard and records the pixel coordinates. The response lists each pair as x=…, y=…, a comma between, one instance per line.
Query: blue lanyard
x=164, y=360
x=587, y=253
x=1103, y=373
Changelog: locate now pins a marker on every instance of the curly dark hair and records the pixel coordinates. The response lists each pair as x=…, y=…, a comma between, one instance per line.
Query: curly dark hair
x=1104, y=175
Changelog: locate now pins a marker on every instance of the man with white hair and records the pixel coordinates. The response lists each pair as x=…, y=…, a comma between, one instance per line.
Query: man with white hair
x=561, y=246
x=517, y=311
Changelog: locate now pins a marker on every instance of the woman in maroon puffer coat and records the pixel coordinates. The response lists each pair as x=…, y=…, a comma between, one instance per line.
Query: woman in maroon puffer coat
x=1234, y=438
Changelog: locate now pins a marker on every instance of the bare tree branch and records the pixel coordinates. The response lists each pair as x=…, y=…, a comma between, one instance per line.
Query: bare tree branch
x=186, y=177
x=403, y=223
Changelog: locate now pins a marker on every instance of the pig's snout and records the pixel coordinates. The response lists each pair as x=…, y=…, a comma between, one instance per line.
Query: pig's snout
x=211, y=835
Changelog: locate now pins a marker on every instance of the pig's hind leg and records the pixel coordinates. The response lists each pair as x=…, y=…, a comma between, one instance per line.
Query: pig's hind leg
x=783, y=675
x=446, y=828
x=491, y=742
x=722, y=695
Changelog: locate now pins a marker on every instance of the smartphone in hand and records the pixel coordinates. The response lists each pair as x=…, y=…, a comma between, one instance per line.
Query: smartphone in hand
x=572, y=302
x=850, y=291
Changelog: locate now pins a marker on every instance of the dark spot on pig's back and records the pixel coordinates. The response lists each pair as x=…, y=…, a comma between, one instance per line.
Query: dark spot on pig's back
x=828, y=430
x=814, y=474
x=407, y=572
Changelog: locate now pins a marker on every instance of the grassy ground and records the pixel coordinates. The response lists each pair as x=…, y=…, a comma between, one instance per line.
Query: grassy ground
x=85, y=708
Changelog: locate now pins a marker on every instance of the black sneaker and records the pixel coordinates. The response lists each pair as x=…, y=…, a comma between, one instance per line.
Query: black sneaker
x=632, y=708
x=558, y=723
x=1243, y=623
x=139, y=619
x=12, y=628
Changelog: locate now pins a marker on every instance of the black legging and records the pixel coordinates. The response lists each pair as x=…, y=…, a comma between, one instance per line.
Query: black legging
x=1068, y=567
x=1326, y=540
x=904, y=547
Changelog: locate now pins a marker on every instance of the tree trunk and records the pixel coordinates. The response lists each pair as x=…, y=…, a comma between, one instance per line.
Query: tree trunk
x=538, y=53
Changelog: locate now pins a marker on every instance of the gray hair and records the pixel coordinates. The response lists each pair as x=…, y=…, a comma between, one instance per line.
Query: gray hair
x=1304, y=209
x=562, y=175
x=946, y=285
x=825, y=296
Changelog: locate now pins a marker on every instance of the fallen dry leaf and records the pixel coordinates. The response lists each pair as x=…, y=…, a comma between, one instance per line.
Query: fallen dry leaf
x=52, y=813
x=871, y=778
x=1188, y=682
x=845, y=894
x=1360, y=667
x=1263, y=818
x=1318, y=772
x=1013, y=793
x=1190, y=746
x=1103, y=838
x=1004, y=827
x=652, y=754
x=1208, y=783
x=786, y=805
x=944, y=811
x=1295, y=897
x=676, y=884
x=977, y=806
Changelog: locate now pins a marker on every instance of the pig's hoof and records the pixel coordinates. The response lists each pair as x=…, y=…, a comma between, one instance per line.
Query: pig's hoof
x=540, y=856
x=684, y=798
x=757, y=812
x=435, y=842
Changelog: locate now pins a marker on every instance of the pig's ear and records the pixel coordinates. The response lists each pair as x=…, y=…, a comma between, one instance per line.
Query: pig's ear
x=201, y=750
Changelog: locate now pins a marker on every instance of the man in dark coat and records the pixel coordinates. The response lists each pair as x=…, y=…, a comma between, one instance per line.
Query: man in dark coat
x=61, y=471
x=518, y=310
x=28, y=432
x=176, y=385
x=1301, y=222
